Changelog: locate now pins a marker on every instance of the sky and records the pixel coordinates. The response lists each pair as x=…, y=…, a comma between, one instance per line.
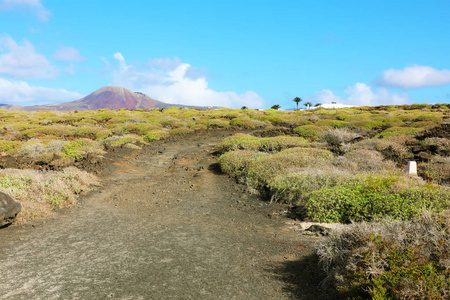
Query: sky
x=230, y=53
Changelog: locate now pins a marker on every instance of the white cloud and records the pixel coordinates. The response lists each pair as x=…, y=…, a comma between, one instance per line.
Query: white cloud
x=362, y=94
x=22, y=61
x=68, y=54
x=169, y=81
x=21, y=93
x=414, y=77
x=325, y=96
x=35, y=5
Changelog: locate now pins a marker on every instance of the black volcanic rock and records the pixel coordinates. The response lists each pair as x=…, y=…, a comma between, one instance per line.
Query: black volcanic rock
x=8, y=209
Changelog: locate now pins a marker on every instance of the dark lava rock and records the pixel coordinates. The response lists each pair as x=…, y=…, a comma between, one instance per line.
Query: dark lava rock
x=318, y=230
x=442, y=131
x=8, y=209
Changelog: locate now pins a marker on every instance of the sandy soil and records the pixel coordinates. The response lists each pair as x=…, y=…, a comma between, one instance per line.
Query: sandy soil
x=165, y=225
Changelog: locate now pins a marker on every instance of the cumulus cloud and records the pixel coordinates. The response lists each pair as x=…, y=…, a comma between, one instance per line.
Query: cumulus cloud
x=325, y=96
x=172, y=81
x=362, y=94
x=34, y=5
x=22, y=61
x=69, y=54
x=414, y=77
x=21, y=93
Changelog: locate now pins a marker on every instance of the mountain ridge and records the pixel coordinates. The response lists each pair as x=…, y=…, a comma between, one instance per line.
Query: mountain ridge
x=108, y=97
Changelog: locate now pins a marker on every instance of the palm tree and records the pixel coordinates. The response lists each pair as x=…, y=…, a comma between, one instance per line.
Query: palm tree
x=297, y=100
x=308, y=105
x=276, y=107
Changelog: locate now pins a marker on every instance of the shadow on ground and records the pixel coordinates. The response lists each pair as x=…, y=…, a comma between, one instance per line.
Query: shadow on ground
x=304, y=279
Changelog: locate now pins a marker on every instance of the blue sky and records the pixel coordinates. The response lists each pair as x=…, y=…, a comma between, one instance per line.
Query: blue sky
x=227, y=53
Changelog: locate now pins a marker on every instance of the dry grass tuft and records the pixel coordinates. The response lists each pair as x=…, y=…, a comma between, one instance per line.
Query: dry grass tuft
x=41, y=192
x=390, y=259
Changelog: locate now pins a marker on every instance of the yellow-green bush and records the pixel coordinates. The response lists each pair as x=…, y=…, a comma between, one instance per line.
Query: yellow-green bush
x=103, y=134
x=331, y=123
x=57, y=131
x=248, y=142
x=9, y=146
x=370, y=196
x=262, y=171
x=236, y=163
x=80, y=148
x=310, y=131
x=295, y=188
x=246, y=122
x=156, y=135
x=86, y=131
x=238, y=141
x=394, y=131
x=181, y=131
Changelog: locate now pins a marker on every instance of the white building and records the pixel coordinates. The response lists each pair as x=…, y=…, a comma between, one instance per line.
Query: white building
x=335, y=105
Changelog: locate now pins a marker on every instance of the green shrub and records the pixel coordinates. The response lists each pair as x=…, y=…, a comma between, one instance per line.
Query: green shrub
x=9, y=146
x=86, y=131
x=390, y=259
x=238, y=141
x=236, y=163
x=248, y=142
x=58, y=131
x=156, y=135
x=394, y=131
x=138, y=128
x=247, y=123
x=367, y=197
x=214, y=123
x=424, y=124
x=295, y=188
x=331, y=123
x=278, y=143
x=181, y=131
x=262, y=171
x=81, y=147
x=366, y=124
x=103, y=134
x=310, y=131
x=118, y=141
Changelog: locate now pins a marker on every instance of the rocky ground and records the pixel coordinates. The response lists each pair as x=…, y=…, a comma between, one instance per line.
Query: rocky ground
x=166, y=224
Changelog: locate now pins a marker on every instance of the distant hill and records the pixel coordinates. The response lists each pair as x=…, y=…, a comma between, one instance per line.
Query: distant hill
x=11, y=107
x=109, y=97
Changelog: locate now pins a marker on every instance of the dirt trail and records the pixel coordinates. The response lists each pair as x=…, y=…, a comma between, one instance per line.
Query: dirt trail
x=165, y=225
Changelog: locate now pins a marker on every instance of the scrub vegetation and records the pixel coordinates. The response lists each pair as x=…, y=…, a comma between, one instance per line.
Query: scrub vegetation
x=330, y=165
x=350, y=168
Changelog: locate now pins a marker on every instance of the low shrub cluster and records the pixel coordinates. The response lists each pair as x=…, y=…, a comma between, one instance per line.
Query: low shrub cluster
x=358, y=185
x=263, y=171
x=390, y=259
x=371, y=196
x=247, y=142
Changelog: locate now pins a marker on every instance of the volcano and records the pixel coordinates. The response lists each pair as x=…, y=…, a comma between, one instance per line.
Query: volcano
x=109, y=97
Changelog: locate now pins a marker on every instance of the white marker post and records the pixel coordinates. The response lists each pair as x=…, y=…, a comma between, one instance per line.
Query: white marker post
x=412, y=168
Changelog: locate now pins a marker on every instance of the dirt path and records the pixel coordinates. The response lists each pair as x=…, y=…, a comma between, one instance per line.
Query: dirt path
x=165, y=225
